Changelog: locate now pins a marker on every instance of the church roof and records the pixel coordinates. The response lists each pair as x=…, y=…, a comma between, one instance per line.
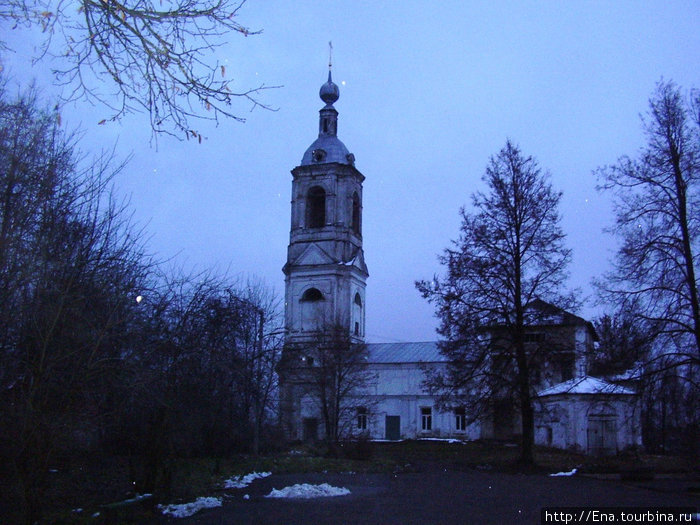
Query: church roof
x=335, y=151
x=424, y=352
x=585, y=385
x=544, y=313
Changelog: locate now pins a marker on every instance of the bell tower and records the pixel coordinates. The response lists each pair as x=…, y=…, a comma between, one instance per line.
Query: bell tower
x=325, y=272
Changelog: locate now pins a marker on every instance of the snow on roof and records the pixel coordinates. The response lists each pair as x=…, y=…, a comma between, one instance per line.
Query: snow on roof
x=585, y=385
x=425, y=352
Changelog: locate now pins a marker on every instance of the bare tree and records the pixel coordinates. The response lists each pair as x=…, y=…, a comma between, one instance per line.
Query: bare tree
x=624, y=344
x=337, y=378
x=657, y=205
x=201, y=376
x=70, y=265
x=259, y=350
x=670, y=403
x=142, y=55
x=657, y=202
x=177, y=382
x=98, y=350
x=510, y=253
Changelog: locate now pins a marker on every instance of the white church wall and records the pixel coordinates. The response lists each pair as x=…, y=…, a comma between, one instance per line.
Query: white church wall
x=594, y=424
x=399, y=379
x=400, y=392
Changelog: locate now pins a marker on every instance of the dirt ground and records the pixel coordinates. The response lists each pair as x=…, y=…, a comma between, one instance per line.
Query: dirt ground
x=434, y=494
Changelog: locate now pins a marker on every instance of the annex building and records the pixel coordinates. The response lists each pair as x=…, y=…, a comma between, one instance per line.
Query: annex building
x=325, y=282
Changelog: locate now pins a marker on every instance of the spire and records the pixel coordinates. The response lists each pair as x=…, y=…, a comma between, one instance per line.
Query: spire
x=327, y=148
x=329, y=91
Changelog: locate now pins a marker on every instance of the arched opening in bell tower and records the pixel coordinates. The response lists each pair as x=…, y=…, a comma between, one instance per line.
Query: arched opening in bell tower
x=357, y=316
x=356, y=213
x=312, y=309
x=316, y=207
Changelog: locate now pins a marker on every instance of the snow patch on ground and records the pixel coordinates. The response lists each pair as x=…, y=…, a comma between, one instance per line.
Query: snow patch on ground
x=447, y=440
x=570, y=473
x=187, y=509
x=304, y=490
x=239, y=482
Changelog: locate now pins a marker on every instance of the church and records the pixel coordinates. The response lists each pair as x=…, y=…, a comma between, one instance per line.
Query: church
x=325, y=282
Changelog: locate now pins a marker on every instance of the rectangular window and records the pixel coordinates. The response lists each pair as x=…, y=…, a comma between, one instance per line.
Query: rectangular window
x=568, y=363
x=533, y=338
x=361, y=418
x=460, y=419
x=426, y=418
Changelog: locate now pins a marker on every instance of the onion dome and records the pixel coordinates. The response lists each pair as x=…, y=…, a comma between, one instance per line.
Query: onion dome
x=329, y=92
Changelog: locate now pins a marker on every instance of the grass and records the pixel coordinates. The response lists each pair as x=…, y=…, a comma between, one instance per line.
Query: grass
x=93, y=483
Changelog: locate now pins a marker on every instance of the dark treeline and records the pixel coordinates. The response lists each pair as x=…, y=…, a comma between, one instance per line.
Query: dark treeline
x=102, y=349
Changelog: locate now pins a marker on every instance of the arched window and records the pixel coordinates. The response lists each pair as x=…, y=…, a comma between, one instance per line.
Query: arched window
x=316, y=208
x=312, y=309
x=357, y=315
x=312, y=295
x=356, y=213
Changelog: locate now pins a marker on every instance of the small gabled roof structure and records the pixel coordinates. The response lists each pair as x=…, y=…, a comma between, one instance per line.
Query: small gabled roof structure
x=585, y=385
x=313, y=255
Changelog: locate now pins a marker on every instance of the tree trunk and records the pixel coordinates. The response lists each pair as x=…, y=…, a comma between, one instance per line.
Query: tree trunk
x=527, y=456
x=687, y=249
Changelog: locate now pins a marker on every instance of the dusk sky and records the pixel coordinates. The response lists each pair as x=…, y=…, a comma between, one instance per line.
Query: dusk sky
x=428, y=92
